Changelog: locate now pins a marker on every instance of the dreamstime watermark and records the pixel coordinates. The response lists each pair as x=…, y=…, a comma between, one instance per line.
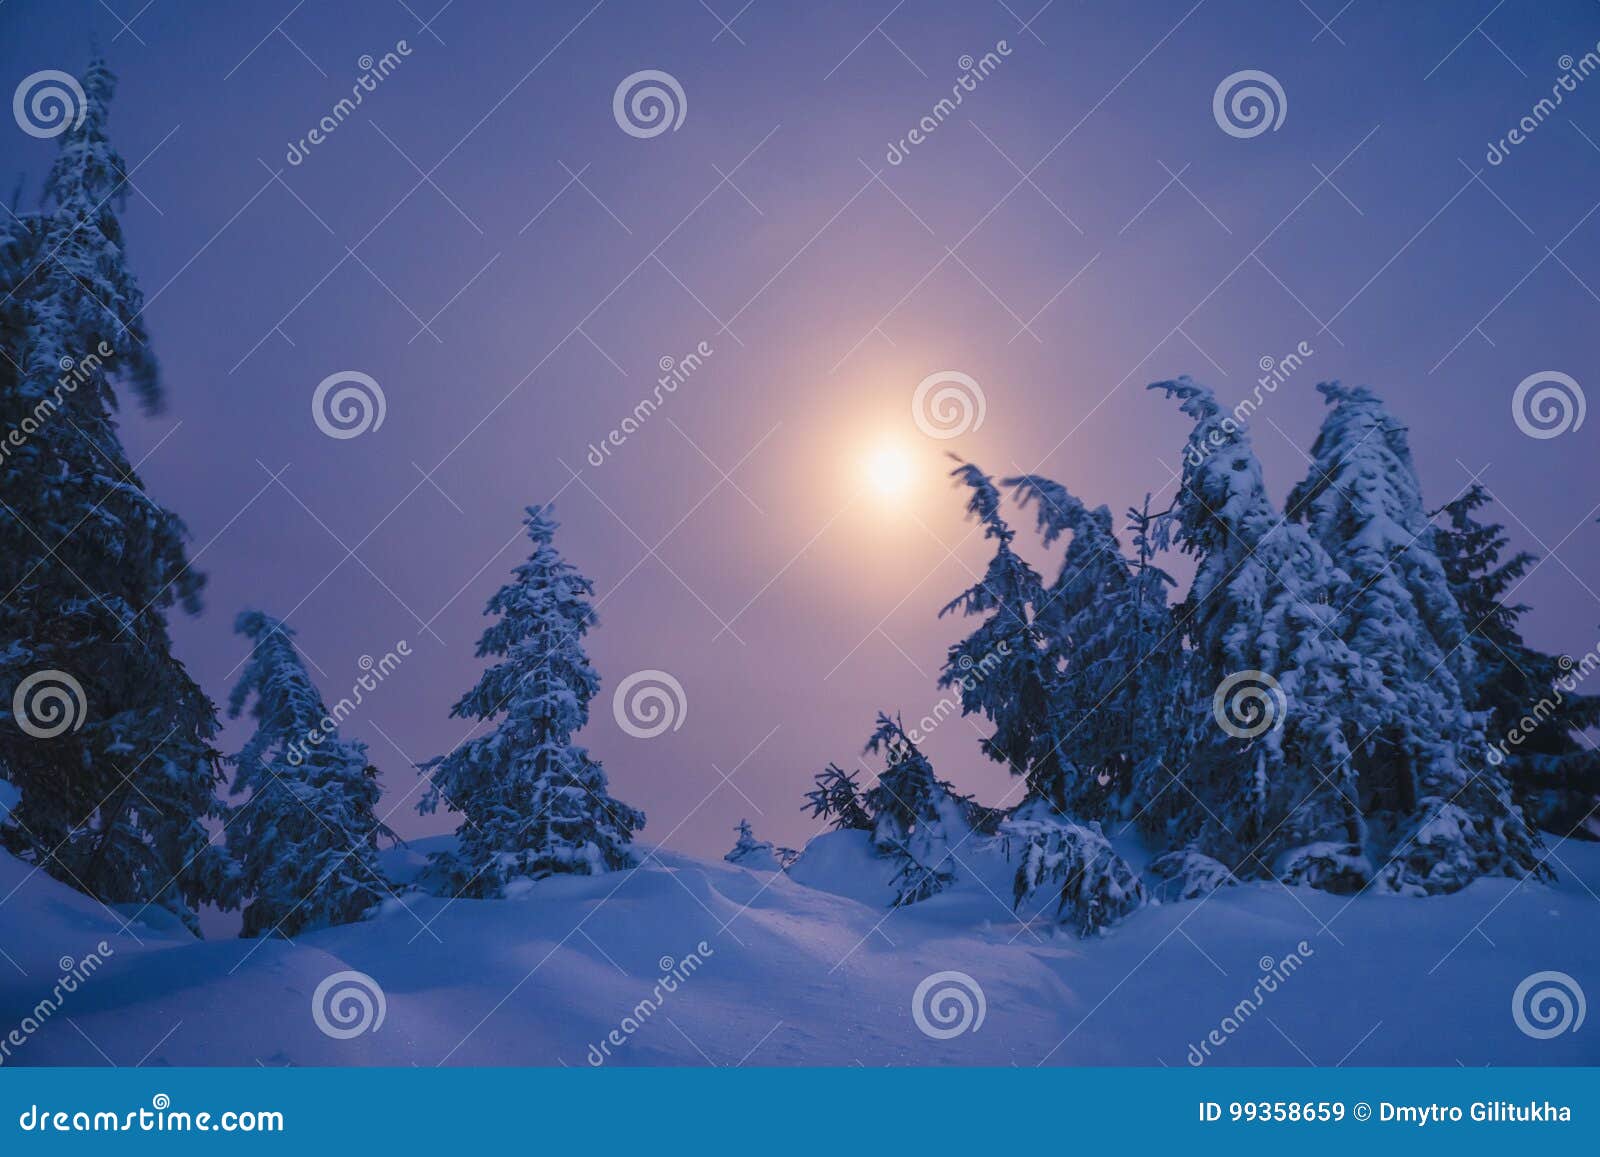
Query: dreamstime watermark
x=1547, y=1004
x=373, y=73
x=1573, y=73
x=348, y=404
x=948, y=1004
x=973, y=72
x=73, y=973
x=1249, y=102
x=48, y=103
x=947, y=404
x=49, y=703
x=1548, y=404
x=377, y=670
x=674, y=373
x=1575, y=671
x=347, y=1004
x=673, y=974
x=649, y=102
x=74, y=374
x=160, y=1117
x=1273, y=974
x=973, y=674
x=1248, y=704
x=647, y=703
x=1274, y=372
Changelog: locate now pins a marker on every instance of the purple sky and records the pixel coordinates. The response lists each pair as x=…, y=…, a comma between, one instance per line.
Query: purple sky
x=484, y=240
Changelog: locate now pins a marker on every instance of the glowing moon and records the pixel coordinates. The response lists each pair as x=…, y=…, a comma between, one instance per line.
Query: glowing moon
x=889, y=470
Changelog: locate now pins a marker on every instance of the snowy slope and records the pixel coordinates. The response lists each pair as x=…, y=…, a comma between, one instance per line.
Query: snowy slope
x=809, y=970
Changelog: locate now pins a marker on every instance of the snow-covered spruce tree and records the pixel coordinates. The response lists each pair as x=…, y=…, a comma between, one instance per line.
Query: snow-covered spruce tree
x=1017, y=669
x=1001, y=669
x=917, y=817
x=749, y=852
x=532, y=802
x=1273, y=791
x=1093, y=886
x=92, y=563
x=304, y=847
x=1113, y=649
x=1534, y=715
x=1438, y=814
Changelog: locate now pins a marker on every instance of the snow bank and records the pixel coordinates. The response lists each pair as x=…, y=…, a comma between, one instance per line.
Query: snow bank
x=810, y=968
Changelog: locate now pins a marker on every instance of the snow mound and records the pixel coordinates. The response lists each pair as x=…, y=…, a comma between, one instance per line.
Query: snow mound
x=688, y=963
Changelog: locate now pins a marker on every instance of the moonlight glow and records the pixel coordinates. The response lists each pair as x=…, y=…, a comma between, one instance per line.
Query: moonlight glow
x=889, y=470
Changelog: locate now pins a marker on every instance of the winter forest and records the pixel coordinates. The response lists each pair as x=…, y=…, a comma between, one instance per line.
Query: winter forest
x=1294, y=725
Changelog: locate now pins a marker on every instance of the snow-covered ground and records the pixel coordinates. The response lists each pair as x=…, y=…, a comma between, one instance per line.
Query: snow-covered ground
x=809, y=968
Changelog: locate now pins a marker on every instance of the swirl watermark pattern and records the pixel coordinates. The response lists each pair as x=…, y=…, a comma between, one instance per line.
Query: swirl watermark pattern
x=1547, y=1004
x=1248, y=103
x=1548, y=404
x=948, y=1004
x=648, y=703
x=347, y=1004
x=348, y=404
x=948, y=404
x=49, y=703
x=648, y=103
x=1248, y=704
x=48, y=103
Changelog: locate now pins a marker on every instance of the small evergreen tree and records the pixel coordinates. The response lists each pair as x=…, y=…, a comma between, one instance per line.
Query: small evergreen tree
x=749, y=852
x=532, y=802
x=1094, y=887
x=305, y=845
x=90, y=563
x=916, y=815
x=1435, y=809
x=1554, y=774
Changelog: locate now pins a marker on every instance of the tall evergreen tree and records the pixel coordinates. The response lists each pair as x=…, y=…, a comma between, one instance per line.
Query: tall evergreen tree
x=1276, y=791
x=1001, y=667
x=305, y=845
x=1113, y=650
x=532, y=802
x=1436, y=811
x=1554, y=773
x=90, y=563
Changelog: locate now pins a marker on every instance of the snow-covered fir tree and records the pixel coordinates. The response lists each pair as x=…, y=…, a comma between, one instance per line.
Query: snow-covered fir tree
x=1534, y=711
x=532, y=802
x=749, y=852
x=1437, y=812
x=1275, y=791
x=1072, y=862
x=1001, y=669
x=1113, y=650
x=917, y=817
x=118, y=805
x=304, y=846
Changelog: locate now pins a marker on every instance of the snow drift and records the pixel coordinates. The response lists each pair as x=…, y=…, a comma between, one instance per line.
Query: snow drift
x=813, y=968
